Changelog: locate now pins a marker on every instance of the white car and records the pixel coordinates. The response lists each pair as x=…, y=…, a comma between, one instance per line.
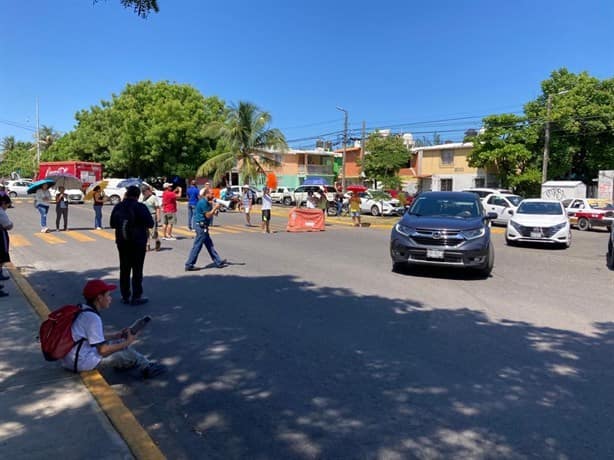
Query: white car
x=17, y=188
x=379, y=203
x=114, y=194
x=484, y=192
x=539, y=221
x=284, y=195
x=500, y=203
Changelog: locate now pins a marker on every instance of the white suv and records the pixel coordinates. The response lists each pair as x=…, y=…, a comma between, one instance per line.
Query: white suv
x=484, y=192
x=284, y=195
x=114, y=194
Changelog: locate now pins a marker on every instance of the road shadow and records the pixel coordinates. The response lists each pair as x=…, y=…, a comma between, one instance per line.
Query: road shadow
x=276, y=367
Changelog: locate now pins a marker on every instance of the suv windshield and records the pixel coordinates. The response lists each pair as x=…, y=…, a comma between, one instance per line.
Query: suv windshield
x=444, y=207
x=536, y=207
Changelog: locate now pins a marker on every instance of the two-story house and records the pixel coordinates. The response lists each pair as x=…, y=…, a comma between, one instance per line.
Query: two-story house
x=444, y=167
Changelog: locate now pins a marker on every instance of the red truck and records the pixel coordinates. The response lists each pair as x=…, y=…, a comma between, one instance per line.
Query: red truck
x=88, y=172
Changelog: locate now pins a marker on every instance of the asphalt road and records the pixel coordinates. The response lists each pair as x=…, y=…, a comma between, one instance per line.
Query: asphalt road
x=309, y=346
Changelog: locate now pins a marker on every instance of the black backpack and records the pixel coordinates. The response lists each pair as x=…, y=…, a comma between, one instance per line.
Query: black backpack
x=124, y=221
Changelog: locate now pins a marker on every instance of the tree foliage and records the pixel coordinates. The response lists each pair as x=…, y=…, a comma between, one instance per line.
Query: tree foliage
x=141, y=7
x=386, y=156
x=245, y=143
x=17, y=156
x=149, y=129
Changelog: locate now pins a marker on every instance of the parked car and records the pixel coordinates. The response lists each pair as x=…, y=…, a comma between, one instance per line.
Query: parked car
x=17, y=188
x=284, y=195
x=539, y=221
x=114, y=194
x=444, y=228
x=380, y=203
x=586, y=213
x=484, y=192
x=74, y=195
x=500, y=203
x=610, y=254
x=237, y=190
x=300, y=193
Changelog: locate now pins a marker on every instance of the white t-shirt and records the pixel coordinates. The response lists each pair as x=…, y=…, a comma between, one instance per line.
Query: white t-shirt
x=88, y=325
x=267, y=202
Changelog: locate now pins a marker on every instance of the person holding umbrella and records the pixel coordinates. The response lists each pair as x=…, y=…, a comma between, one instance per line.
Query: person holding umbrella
x=61, y=208
x=41, y=203
x=98, y=202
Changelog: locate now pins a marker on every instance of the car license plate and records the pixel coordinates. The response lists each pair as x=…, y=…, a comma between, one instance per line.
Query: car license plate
x=536, y=235
x=434, y=253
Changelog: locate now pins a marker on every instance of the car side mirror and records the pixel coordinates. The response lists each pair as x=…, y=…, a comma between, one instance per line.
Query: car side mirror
x=510, y=212
x=491, y=215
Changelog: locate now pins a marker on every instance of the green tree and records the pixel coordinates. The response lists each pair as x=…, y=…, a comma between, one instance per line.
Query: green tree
x=149, y=129
x=245, y=142
x=581, y=124
x=18, y=156
x=506, y=144
x=386, y=156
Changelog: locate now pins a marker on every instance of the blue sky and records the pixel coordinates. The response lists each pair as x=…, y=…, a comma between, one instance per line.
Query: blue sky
x=396, y=64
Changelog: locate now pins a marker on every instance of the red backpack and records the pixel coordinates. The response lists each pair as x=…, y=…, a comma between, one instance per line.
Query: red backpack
x=55, y=334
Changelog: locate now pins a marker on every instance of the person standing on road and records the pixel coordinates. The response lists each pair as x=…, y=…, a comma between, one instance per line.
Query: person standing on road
x=169, y=210
x=5, y=226
x=267, y=205
x=322, y=202
x=246, y=201
x=339, y=199
x=93, y=348
x=205, y=210
x=131, y=221
x=192, y=194
x=153, y=206
x=41, y=203
x=98, y=203
x=61, y=209
x=355, y=208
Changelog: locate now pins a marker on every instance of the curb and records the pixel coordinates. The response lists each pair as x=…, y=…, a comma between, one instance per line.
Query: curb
x=123, y=420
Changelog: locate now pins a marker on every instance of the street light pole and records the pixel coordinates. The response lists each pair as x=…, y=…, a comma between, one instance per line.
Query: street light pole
x=345, y=142
x=547, y=136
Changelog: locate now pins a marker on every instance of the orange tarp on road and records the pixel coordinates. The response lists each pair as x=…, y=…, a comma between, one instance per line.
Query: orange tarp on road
x=305, y=220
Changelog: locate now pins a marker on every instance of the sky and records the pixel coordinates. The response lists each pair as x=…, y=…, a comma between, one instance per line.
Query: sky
x=409, y=66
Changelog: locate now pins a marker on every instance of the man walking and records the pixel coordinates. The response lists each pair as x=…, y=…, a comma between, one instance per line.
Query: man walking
x=205, y=210
x=246, y=201
x=131, y=221
x=192, y=194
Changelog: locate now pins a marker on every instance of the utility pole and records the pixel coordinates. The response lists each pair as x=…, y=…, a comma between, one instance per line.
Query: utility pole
x=345, y=145
x=547, y=135
x=38, y=137
x=362, y=148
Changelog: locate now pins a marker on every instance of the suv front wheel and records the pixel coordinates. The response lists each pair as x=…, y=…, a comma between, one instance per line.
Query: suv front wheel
x=489, y=263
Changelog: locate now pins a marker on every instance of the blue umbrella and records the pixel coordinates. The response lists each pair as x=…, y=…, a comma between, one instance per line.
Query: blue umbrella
x=314, y=181
x=129, y=182
x=38, y=184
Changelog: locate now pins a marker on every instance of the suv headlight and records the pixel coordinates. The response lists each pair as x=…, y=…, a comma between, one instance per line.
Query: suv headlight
x=559, y=227
x=473, y=233
x=516, y=226
x=404, y=229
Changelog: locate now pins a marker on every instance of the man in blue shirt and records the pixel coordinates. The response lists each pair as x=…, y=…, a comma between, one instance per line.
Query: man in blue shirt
x=192, y=194
x=204, y=212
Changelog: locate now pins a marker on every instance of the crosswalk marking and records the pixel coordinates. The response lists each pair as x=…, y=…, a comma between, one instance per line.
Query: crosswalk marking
x=19, y=241
x=50, y=238
x=104, y=234
x=82, y=237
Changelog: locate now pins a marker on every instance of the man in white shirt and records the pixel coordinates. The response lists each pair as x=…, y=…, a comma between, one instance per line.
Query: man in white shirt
x=267, y=204
x=93, y=349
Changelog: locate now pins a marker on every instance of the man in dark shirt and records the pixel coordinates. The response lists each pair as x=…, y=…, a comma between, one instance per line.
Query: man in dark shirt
x=205, y=210
x=131, y=221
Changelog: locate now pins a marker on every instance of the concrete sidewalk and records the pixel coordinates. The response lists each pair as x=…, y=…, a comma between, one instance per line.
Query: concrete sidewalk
x=47, y=412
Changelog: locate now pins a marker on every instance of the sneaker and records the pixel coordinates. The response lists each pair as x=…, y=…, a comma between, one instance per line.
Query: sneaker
x=153, y=370
x=44, y=230
x=222, y=264
x=190, y=268
x=139, y=301
x=125, y=301
x=158, y=244
x=171, y=238
x=98, y=228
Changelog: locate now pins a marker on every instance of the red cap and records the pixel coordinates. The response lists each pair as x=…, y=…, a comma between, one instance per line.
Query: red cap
x=94, y=287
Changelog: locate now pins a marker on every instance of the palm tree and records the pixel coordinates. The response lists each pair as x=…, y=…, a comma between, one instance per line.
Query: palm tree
x=245, y=138
x=8, y=144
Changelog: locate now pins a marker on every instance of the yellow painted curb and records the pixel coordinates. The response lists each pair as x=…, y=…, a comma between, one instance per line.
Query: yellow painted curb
x=138, y=440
